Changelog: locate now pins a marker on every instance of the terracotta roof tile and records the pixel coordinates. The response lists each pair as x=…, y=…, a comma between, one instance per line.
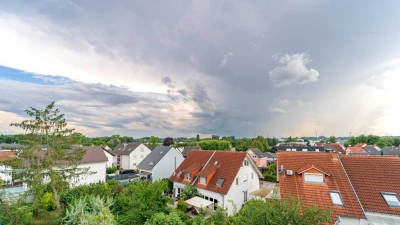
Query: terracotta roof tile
x=6, y=155
x=337, y=146
x=318, y=194
x=228, y=164
x=371, y=175
x=356, y=150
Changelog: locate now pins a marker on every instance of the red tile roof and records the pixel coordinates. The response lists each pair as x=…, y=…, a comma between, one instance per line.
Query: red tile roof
x=6, y=155
x=228, y=164
x=338, y=147
x=360, y=145
x=318, y=194
x=356, y=150
x=371, y=175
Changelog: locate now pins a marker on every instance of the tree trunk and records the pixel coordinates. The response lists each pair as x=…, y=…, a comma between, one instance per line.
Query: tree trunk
x=56, y=199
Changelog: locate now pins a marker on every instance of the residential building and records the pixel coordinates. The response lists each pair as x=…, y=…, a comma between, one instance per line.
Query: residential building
x=376, y=181
x=335, y=147
x=129, y=155
x=224, y=178
x=295, y=148
x=160, y=163
x=364, y=149
x=95, y=162
x=319, y=179
x=111, y=158
x=6, y=171
x=261, y=159
x=187, y=149
x=391, y=150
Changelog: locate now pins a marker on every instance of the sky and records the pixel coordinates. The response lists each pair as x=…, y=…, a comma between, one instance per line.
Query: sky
x=181, y=68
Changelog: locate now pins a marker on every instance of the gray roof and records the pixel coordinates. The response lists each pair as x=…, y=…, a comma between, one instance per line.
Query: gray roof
x=372, y=150
x=270, y=155
x=391, y=150
x=153, y=158
x=125, y=148
x=257, y=152
x=188, y=149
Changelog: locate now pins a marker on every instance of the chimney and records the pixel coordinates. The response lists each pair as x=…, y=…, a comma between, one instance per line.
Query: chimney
x=334, y=156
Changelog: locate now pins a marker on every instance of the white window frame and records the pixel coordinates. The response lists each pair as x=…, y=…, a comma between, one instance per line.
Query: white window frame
x=394, y=202
x=336, y=198
x=202, y=180
x=313, y=180
x=187, y=176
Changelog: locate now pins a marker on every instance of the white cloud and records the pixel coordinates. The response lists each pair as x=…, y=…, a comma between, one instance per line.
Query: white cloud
x=276, y=110
x=225, y=59
x=293, y=70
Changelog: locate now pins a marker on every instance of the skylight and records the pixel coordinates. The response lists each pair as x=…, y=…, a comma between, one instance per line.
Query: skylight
x=336, y=198
x=220, y=182
x=151, y=164
x=391, y=199
x=179, y=174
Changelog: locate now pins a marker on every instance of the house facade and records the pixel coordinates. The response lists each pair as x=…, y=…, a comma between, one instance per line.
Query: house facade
x=223, y=177
x=6, y=171
x=129, y=155
x=261, y=159
x=160, y=163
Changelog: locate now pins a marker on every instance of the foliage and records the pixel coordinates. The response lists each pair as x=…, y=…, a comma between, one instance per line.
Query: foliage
x=182, y=206
x=215, y=137
x=198, y=137
x=219, y=217
x=272, y=141
x=153, y=141
x=332, y=139
x=55, y=165
x=188, y=192
x=276, y=212
x=48, y=201
x=110, y=170
x=15, y=214
x=214, y=145
x=90, y=210
x=374, y=140
x=243, y=144
x=165, y=219
x=270, y=173
x=140, y=202
x=168, y=141
x=291, y=139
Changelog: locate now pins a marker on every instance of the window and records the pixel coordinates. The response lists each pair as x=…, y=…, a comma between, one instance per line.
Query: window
x=293, y=149
x=391, y=199
x=245, y=162
x=336, y=198
x=187, y=176
x=252, y=176
x=179, y=174
x=202, y=180
x=304, y=149
x=244, y=196
x=317, y=150
x=288, y=149
x=237, y=181
x=220, y=182
x=254, y=157
x=313, y=177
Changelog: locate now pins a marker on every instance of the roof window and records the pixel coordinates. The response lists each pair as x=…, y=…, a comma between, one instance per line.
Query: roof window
x=336, y=198
x=220, y=182
x=391, y=199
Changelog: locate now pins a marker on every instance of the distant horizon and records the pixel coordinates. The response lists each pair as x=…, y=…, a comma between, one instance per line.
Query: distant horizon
x=243, y=68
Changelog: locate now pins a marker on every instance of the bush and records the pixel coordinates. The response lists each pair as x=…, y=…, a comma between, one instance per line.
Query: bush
x=48, y=201
x=110, y=170
x=182, y=206
x=269, y=177
x=188, y=192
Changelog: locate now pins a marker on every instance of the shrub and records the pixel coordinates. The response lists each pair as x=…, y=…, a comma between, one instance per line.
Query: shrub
x=48, y=201
x=110, y=170
x=182, y=206
x=189, y=192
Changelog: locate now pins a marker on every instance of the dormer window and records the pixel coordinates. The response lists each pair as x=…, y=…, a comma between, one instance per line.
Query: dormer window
x=202, y=180
x=391, y=199
x=336, y=198
x=314, y=177
x=187, y=176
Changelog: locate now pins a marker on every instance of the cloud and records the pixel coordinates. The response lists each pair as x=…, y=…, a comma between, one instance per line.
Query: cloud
x=293, y=70
x=225, y=59
x=276, y=110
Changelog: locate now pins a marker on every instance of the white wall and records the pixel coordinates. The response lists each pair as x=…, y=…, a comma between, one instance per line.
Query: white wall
x=96, y=173
x=5, y=174
x=167, y=165
x=110, y=159
x=138, y=155
x=124, y=163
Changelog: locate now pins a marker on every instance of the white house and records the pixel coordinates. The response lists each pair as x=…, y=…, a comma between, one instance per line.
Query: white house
x=224, y=178
x=129, y=155
x=95, y=161
x=161, y=162
x=5, y=171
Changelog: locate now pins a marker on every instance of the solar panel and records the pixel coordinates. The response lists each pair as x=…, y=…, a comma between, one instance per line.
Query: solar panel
x=179, y=174
x=220, y=182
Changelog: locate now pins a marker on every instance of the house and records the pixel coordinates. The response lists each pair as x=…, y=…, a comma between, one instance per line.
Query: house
x=391, y=150
x=261, y=159
x=376, y=182
x=319, y=179
x=224, y=178
x=335, y=147
x=356, y=150
x=160, y=163
x=111, y=158
x=95, y=162
x=129, y=155
x=187, y=149
x=295, y=148
x=6, y=171
x=364, y=149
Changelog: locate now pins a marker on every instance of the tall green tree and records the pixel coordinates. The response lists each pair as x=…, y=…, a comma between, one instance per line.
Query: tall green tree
x=153, y=141
x=332, y=139
x=57, y=163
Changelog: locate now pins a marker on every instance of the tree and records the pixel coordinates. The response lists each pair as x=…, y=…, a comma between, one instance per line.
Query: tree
x=214, y=145
x=261, y=143
x=153, y=141
x=290, y=139
x=58, y=163
x=215, y=137
x=259, y=212
x=198, y=137
x=332, y=139
x=168, y=141
x=90, y=210
x=165, y=219
x=189, y=192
